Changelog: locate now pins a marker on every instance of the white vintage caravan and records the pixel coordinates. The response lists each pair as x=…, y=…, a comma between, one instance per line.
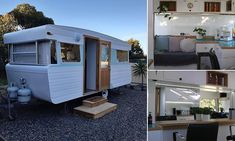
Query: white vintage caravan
x=62, y=63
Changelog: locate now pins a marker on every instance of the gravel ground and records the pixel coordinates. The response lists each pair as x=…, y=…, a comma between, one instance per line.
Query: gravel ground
x=42, y=121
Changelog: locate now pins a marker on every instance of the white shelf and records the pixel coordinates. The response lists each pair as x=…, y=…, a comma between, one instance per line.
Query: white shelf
x=16, y=53
x=196, y=13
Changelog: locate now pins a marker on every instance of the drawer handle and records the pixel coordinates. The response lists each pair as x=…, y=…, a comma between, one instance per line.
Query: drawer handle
x=180, y=79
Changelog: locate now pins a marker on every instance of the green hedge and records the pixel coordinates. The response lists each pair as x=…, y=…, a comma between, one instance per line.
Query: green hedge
x=3, y=82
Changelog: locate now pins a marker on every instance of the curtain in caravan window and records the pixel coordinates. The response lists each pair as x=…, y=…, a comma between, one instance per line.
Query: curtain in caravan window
x=43, y=52
x=24, y=53
x=70, y=52
x=122, y=56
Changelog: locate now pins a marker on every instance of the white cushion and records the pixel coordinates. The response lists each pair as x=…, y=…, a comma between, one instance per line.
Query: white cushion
x=187, y=45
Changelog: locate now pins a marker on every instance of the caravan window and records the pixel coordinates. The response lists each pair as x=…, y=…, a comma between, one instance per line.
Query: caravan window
x=32, y=53
x=122, y=56
x=24, y=53
x=70, y=52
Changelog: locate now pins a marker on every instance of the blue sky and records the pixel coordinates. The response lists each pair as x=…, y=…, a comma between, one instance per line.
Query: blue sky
x=123, y=19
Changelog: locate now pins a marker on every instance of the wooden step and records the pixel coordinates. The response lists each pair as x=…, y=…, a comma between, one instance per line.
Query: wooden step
x=94, y=101
x=95, y=112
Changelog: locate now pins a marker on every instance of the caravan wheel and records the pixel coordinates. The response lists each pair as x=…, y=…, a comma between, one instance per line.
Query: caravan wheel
x=105, y=93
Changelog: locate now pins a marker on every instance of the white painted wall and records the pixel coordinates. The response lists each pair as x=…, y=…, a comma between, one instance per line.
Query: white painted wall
x=150, y=28
x=186, y=23
x=209, y=95
x=151, y=98
x=91, y=65
x=120, y=75
x=163, y=102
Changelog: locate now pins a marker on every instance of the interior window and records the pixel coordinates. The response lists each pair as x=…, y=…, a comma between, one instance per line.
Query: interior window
x=70, y=52
x=224, y=105
x=208, y=103
x=53, y=53
x=122, y=56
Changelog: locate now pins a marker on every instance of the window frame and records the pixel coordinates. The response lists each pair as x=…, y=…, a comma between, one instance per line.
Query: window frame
x=216, y=100
x=56, y=52
x=126, y=61
x=35, y=53
x=59, y=58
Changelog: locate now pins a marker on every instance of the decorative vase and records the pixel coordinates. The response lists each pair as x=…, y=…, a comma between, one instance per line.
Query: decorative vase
x=206, y=117
x=199, y=37
x=198, y=116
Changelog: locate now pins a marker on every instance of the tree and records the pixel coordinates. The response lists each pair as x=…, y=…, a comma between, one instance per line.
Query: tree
x=7, y=24
x=27, y=16
x=136, y=50
x=140, y=69
x=24, y=15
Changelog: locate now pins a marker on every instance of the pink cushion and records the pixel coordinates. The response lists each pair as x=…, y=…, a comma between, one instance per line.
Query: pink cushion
x=174, y=43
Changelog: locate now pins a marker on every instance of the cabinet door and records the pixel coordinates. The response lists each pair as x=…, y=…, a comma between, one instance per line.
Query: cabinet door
x=189, y=77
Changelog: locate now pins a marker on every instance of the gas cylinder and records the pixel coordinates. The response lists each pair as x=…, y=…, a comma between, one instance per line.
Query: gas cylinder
x=24, y=95
x=12, y=91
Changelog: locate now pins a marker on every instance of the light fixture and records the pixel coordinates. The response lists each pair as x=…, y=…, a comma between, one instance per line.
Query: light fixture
x=175, y=92
x=181, y=89
x=187, y=92
x=187, y=86
x=204, y=20
x=178, y=102
x=195, y=97
x=77, y=37
x=209, y=90
x=163, y=23
x=210, y=87
x=184, y=98
x=177, y=86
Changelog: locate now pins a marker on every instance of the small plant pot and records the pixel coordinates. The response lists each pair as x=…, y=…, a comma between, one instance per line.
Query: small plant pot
x=206, y=117
x=199, y=37
x=198, y=116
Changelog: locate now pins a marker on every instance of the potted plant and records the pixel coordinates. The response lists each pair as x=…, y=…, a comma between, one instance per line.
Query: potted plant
x=163, y=10
x=193, y=111
x=197, y=112
x=201, y=32
x=206, y=113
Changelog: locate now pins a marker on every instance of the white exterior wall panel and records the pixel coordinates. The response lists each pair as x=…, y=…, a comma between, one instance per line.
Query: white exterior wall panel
x=120, y=75
x=36, y=79
x=66, y=83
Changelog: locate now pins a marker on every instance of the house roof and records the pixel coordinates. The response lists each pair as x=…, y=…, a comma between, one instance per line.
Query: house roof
x=62, y=34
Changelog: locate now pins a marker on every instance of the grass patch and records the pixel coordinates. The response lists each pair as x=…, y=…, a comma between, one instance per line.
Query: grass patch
x=3, y=82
